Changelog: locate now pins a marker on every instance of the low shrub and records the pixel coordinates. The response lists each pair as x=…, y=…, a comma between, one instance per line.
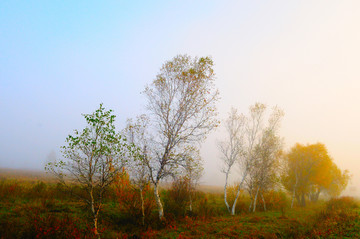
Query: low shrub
x=207, y=205
x=129, y=202
x=276, y=200
x=337, y=217
x=37, y=222
x=177, y=198
x=342, y=203
x=10, y=189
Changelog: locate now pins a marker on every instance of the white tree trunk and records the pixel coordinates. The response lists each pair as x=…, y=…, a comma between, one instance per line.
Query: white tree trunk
x=190, y=198
x=142, y=207
x=94, y=212
x=238, y=193
x=293, y=196
x=264, y=203
x=255, y=199
x=225, y=194
x=190, y=206
x=251, y=202
x=158, y=202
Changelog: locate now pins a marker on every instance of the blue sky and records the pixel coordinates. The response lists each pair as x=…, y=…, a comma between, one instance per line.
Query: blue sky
x=59, y=59
x=62, y=58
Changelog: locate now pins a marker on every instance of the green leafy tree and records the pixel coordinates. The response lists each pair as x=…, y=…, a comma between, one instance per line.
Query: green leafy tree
x=92, y=159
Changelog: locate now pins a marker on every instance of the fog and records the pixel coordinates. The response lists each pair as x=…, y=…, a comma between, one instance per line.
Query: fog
x=59, y=60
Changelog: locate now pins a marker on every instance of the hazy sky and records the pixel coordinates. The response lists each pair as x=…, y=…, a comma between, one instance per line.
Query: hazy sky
x=59, y=59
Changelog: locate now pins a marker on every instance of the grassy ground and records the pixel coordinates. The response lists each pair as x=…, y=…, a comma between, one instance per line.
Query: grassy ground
x=30, y=209
x=297, y=223
x=311, y=222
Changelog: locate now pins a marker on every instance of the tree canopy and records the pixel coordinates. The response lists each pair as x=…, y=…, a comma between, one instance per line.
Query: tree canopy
x=309, y=170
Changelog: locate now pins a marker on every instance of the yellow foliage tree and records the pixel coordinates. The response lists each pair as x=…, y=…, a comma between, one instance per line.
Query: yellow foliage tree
x=309, y=170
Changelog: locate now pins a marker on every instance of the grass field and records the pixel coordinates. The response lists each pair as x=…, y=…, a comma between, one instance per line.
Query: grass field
x=298, y=223
x=37, y=209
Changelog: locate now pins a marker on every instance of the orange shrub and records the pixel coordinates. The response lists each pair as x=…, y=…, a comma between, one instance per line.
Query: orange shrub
x=342, y=203
x=275, y=200
x=129, y=199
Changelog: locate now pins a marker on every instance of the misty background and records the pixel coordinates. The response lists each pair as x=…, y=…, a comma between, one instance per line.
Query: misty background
x=59, y=59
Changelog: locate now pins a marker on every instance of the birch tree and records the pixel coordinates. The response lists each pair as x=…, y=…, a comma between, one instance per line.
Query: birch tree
x=251, y=144
x=92, y=159
x=231, y=150
x=244, y=136
x=182, y=111
x=264, y=168
x=137, y=134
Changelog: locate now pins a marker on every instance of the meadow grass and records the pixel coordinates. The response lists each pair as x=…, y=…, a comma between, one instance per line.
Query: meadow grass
x=297, y=223
x=38, y=209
